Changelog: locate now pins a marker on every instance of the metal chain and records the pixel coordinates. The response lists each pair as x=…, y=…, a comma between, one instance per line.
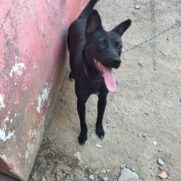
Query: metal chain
x=150, y=39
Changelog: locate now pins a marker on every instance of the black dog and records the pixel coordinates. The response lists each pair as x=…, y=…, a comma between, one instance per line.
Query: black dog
x=93, y=53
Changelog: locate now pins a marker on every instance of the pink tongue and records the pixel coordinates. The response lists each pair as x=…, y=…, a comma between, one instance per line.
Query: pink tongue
x=109, y=79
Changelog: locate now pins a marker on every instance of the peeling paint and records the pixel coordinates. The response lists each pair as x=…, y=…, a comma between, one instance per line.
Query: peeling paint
x=27, y=154
x=4, y=157
x=42, y=98
x=2, y=104
x=5, y=120
x=3, y=123
x=32, y=133
x=6, y=136
x=29, y=151
x=17, y=69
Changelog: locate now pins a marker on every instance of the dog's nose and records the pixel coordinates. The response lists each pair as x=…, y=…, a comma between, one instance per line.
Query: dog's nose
x=116, y=63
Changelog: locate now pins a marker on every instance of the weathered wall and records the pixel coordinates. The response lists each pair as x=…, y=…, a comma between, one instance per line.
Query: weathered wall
x=32, y=64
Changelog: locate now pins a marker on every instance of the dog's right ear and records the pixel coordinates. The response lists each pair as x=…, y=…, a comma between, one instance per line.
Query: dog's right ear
x=121, y=28
x=94, y=22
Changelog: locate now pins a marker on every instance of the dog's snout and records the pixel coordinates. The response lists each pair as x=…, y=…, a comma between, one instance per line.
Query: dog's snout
x=116, y=63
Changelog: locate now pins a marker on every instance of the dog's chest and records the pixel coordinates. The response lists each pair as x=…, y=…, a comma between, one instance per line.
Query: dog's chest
x=96, y=86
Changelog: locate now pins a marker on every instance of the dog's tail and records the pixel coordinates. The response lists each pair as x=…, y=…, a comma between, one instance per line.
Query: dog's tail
x=88, y=9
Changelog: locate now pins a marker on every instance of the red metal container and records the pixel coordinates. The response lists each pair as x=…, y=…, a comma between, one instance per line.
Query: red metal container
x=32, y=66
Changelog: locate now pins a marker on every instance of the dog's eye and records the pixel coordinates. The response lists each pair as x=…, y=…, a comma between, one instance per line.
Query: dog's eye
x=117, y=45
x=102, y=44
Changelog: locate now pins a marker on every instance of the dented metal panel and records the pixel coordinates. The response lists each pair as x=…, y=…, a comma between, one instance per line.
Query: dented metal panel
x=32, y=65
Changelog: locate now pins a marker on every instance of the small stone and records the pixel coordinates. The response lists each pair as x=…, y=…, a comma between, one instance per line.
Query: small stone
x=159, y=150
x=163, y=175
x=99, y=146
x=82, y=164
x=108, y=170
x=140, y=64
x=155, y=143
x=133, y=169
x=91, y=177
x=147, y=135
x=128, y=175
x=160, y=168
x=43, y=179
x=77, y=156
x=123, y=166
x=137, y=6
x=105, y=178
x=160, y=162
x=107, y=124
x=146, y=113
x=103, y=171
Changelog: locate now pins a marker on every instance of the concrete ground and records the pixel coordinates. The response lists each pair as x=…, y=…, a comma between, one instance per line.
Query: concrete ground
x=143, y=118
x=6, y=178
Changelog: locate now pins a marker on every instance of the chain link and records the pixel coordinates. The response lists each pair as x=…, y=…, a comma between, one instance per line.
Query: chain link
x=150, y=39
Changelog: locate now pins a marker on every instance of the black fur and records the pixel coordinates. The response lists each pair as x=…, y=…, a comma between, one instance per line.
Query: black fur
x=87, y=40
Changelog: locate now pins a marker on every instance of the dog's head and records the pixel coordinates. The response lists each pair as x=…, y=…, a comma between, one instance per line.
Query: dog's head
x=104, y=47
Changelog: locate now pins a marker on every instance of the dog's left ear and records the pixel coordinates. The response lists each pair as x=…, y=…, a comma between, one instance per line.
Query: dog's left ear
x=121, y=28
x=94, y=22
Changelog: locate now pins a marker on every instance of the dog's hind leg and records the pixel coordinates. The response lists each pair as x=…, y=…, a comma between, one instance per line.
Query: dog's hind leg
x=102, y=101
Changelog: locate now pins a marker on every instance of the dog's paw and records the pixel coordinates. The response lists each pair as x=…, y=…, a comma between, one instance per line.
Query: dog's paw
x=82, y=138
x=100, y=133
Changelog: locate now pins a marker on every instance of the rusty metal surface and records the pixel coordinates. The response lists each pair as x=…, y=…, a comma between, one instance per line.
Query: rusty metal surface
x=32, y=65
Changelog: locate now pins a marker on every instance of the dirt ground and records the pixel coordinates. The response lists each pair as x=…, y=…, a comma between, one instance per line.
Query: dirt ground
x=143, y=118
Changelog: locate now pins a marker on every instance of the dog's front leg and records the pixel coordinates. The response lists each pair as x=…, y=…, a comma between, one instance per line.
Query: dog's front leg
x=81, y=111
x=102, y=101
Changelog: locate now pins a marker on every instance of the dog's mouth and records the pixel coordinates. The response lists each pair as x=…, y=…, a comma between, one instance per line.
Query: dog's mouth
x=108, y=75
